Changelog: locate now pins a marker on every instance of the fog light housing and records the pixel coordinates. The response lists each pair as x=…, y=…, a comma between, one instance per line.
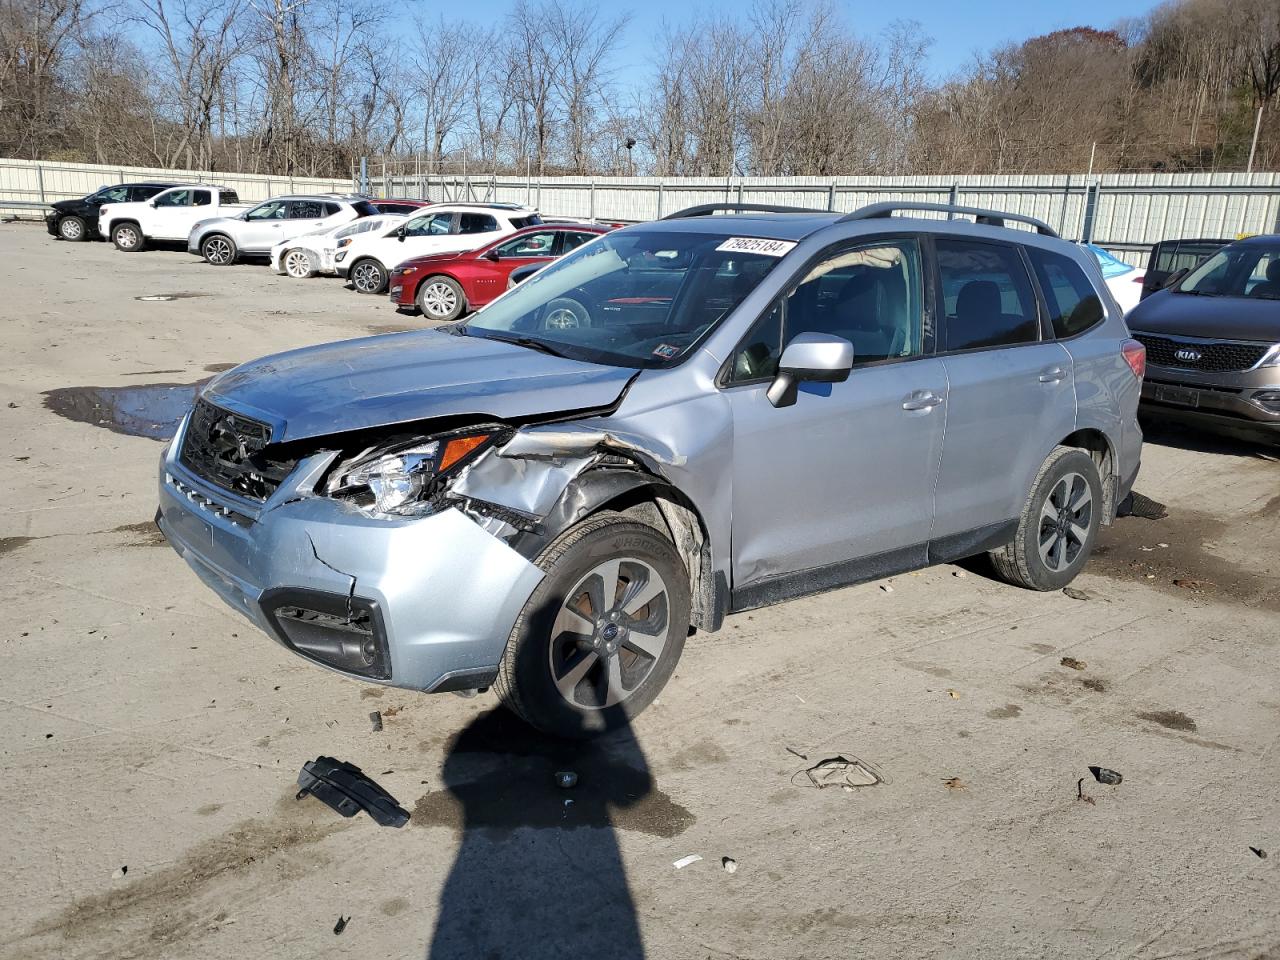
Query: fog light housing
x=345, y=633
x=396, y=291
x=1268, y=400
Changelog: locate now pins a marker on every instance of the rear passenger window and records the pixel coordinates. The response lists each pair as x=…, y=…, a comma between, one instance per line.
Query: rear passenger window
x=306, y=210
x=476, y=223
x=228, y=197
x=1074, y=304
x=987, y=295
x=573, y=240
x=201, y=198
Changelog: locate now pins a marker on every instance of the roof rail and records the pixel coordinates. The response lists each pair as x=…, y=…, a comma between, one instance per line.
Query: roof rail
x=991, y=218
x=706, y=209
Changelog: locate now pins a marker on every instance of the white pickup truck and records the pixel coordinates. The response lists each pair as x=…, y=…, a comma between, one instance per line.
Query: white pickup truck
x=169, y=215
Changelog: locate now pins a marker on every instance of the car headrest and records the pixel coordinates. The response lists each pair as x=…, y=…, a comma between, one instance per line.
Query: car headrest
x=978, y=297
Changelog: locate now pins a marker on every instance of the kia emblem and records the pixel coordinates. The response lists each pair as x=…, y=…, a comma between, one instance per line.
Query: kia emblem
x=1188, y=355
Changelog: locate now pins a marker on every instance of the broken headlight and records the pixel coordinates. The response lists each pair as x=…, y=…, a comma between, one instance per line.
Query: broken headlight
x=398, y=479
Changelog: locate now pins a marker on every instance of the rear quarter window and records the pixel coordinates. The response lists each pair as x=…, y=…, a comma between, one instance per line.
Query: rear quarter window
x=228, y=196
x=1073, y=303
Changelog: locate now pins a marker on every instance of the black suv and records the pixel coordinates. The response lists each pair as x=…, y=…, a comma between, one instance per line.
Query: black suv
x=78, y=219
x=1213, y=343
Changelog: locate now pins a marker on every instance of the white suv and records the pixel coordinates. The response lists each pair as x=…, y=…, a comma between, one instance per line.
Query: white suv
x=442, y=228
x=313, y=253
x=223, y=240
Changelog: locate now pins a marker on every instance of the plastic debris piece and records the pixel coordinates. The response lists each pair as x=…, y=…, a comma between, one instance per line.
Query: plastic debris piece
x=887, y=587
x=841, y=770
x=1111, y=778
x=341, y=924
x=1075, y=594
x=1259, y=853
x=796, y=753
x=955, y=783
x=1080, y=794
x=120, y=872
x=954, y=695
x=345, y=788
x=1073, y=663
x=375, y=719
x=731, y=865
x=685, y=861
x=566, y=779
x=959, y=573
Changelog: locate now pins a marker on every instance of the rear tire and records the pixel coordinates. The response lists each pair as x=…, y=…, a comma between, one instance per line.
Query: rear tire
x=586, y=655
x=128, y=237
x=73, y=228
x=219, y=250
x=1058, y=526
x=368, y=276
x=441, y=298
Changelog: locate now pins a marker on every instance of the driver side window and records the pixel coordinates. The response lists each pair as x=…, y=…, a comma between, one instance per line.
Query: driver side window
x=272, y=210
x=175, y=198
x=528, y=245
x=870, y=295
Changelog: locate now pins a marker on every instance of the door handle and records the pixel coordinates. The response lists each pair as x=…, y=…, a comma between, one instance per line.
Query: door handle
x=921, y=400
x=1052, y=375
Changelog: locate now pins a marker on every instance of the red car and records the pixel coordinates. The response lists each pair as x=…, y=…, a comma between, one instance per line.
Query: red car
x=444, y=286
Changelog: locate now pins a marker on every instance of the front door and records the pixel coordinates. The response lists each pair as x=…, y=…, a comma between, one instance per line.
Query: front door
x=839, y=485
x=172, y=217
x=1012, y=394
x=490, y=276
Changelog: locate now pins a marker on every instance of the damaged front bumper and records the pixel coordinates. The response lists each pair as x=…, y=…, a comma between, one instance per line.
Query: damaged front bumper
x=423, y=603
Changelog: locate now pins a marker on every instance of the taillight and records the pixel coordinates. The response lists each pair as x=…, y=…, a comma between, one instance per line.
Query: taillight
x=1135, y=355
x=1139, y=278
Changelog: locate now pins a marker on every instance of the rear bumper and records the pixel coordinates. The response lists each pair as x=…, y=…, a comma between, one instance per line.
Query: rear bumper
x=429, y=602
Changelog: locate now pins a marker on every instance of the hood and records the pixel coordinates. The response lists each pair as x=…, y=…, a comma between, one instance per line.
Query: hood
x=1226, y=318
x=66, y=206
x=433, y=258
x=401, y=378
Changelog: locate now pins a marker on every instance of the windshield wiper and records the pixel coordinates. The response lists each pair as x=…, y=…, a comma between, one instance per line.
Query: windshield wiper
x=532, y=344
x=1198, y=293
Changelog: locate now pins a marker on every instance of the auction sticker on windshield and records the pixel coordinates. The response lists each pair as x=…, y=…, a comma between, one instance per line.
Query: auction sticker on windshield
x=770, y=248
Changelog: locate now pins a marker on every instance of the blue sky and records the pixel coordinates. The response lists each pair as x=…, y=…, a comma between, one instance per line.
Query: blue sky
x=958, y=27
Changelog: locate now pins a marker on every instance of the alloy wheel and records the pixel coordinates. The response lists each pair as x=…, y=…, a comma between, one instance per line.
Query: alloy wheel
x=609, y=633
x=127, y=238
x=217, y=251
x=562, y=318
x=439, y=300
x=297, y=264
x=1066, y=518
x=71, y=228
x=366, y=278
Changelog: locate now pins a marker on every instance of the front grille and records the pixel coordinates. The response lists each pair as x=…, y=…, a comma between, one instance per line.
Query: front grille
x=230, y=451
x=1208, y=356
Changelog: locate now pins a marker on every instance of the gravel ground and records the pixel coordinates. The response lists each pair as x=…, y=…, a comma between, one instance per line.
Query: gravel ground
x=148, y=728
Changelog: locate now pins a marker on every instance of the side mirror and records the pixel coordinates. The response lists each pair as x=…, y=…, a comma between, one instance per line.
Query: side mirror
x=492, y=255
x=1175, y=278
x=812, y=357
x=151, y=203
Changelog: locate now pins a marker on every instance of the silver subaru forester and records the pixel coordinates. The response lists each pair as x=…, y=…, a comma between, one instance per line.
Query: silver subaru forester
x=680, y=420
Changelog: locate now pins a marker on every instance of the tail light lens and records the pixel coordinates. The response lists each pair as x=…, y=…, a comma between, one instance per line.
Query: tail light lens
x=1135, y=354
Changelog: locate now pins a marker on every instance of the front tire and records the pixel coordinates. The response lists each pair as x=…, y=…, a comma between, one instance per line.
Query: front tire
x=72, y=228
x=368, y=276
x=127, y=237
x=603, y=631
x=219, y=250
x=1058, y=526
x=441, y=298
x=297, y=264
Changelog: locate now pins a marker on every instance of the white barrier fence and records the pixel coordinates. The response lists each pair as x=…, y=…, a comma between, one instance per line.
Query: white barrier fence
x=1124, y=212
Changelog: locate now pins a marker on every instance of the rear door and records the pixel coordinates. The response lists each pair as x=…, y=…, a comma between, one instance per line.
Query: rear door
x=1011, y=393
x=846, y=474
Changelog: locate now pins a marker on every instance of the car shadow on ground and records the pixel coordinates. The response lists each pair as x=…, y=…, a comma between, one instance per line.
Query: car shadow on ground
x=1194, y=440
x=538, y=873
